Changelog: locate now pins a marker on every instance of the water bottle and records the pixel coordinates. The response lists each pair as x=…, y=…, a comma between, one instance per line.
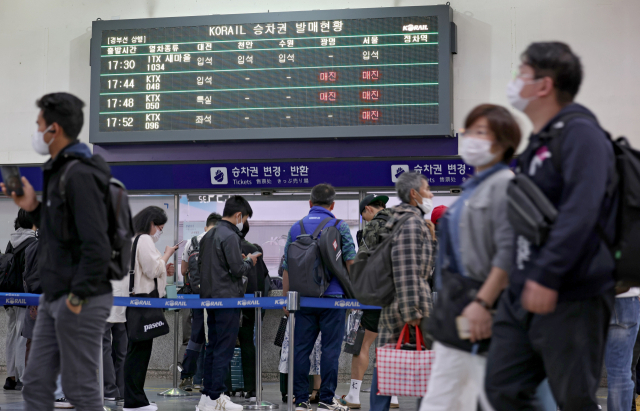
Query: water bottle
x=353, y=323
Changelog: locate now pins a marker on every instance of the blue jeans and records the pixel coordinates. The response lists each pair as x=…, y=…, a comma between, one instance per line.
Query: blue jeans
x=59, y=394
x=192, y=353
x=224, y=325
x=378, y=402
x=623, y=330
x=309, y=323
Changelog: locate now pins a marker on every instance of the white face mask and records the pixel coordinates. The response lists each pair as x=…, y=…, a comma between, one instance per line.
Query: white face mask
x=514, y=88
x=426, y=206
x=38, y=143
x=156, y=236
x=240, y=225
x=476, y=151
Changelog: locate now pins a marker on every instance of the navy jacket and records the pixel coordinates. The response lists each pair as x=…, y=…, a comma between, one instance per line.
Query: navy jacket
x=574, y=261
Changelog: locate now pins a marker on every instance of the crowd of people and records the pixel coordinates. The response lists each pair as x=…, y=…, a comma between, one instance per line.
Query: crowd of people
x=516, y=325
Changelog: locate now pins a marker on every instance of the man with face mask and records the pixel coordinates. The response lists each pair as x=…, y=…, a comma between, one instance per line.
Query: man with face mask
x=412, y=261
x=222, y=267
x=553, y=318
x=74, y=254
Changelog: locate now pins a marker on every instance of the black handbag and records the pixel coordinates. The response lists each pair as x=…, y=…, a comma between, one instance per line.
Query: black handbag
x=457, y=292
x=282, y=328
x=144, y=323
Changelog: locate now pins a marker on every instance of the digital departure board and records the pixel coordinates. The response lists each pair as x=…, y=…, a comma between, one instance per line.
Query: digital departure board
x=318, y=74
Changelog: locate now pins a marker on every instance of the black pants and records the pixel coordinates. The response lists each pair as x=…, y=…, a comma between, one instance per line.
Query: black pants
x=567, y=346
x=223, y=325
x=195, y=345
x=135, y=373
x=114, y=352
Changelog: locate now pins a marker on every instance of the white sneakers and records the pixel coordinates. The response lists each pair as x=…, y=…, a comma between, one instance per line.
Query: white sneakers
x=150, y=407
x=223, y=403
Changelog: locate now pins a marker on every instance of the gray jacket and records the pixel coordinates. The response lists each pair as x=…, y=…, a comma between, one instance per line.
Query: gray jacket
x=221, y=266
x=486, y=237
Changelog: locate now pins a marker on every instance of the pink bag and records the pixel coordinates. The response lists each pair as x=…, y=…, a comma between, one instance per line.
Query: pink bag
x=401, y=372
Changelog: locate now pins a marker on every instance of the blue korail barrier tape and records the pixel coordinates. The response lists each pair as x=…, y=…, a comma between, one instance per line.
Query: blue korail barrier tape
x=193, y=301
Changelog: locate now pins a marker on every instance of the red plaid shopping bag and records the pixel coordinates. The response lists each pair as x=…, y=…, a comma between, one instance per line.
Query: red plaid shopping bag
x=404, y=372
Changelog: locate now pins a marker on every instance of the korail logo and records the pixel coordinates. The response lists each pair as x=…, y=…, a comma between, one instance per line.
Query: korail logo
x=219, y=175
x=246, y=303
x=343, y=304
x=415, y=27
x=281, y=302
x=140, y=302
x=174, y=303
x=211, y=304
x=397, y=171
x=13, y=301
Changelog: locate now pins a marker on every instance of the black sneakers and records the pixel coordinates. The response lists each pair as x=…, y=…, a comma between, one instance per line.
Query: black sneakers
x=334, y=406
x=10, y=384
x=303, y=406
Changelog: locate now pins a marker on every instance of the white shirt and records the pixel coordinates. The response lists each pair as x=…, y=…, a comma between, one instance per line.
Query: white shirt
x=149, y=266
x=120, y=289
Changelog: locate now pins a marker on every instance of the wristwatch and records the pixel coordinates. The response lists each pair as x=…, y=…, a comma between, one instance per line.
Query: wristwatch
x=483, y=303
x=74, y=300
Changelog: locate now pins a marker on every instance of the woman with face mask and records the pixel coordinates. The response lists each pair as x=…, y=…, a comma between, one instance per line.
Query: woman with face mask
x=151, y=271
x=474, y=258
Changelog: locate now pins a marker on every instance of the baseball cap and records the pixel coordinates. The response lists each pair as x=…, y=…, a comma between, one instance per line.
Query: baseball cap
x=370, y=198
x=437, y=213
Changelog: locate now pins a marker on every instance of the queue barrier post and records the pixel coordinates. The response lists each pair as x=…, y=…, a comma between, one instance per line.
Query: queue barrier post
x=175, y=391
x=293, y=305
x=259, y=404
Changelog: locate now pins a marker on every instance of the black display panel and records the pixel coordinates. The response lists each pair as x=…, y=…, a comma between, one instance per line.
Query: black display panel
x=320, y=74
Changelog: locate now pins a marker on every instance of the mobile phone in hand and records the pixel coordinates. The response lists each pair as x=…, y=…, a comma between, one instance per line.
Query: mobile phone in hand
x=180, y=243
x=12, y=180
x=257, y=253
x=464, y=330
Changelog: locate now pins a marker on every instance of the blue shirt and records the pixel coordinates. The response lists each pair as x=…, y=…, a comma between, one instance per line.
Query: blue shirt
x=316, y=215
x=453, y=256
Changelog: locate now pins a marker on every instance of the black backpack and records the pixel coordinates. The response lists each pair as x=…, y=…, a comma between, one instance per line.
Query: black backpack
x=120, y=229
x=625, y=247
x=10, y=268
x=192, y=265
x=371, y=273
x=331, y=251
x=307, y=273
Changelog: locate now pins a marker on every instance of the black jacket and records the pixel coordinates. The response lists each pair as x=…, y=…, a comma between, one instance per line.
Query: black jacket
x=221, y=266
x=79, y=263
x=573, y=261
x=31, y=277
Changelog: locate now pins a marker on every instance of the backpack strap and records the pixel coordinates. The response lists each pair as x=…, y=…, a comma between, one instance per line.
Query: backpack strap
x=302, y=231
x=556, y=136
x=62, y=184
x=320, y=227
x=195, y=245
x=26, y=243
x=132, y=274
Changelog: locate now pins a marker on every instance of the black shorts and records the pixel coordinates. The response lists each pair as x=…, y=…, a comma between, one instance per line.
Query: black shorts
x=370, y=320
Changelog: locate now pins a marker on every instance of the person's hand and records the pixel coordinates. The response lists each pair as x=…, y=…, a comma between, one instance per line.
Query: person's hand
x=171, y=270
x=28, y=201
x=76, y=310
x=169, y=250
x=479, y=321
x=286, y=312
x=413, y=323
x=538, y=299
x=254, y=259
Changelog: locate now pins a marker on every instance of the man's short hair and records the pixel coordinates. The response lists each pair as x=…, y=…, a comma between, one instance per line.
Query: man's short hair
x=377, y=204
x=213, y=219
x=64, y=109
x=323, y=195
x=407, y=181
x=237, y=204
x=556, y=60
x=23, y=220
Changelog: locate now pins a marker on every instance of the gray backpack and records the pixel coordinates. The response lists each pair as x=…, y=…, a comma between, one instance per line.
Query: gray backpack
x=307, y=273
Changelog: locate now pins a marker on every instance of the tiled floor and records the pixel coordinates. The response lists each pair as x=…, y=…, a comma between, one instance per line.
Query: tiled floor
x=12, y=400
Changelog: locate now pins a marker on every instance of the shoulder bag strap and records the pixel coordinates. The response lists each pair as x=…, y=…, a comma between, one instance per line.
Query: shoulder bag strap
x=320, y=227
x=132, y=272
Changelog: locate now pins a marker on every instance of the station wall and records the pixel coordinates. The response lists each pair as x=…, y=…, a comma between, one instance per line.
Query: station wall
x=46, y=49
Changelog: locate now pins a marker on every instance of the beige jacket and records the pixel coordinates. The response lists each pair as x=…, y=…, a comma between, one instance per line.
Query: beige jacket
x=149, y=265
